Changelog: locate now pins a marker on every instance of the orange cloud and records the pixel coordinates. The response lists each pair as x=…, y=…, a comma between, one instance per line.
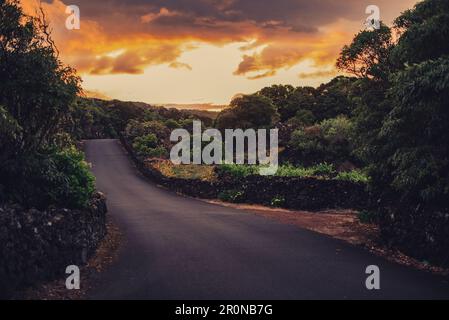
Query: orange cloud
x=180, y=65
x=125, y=38
x=321, y=47
x=96, y=94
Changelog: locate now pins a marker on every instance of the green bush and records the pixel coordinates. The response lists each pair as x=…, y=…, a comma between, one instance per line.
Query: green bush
x=329, y=141
x=58, y=178
x=172, y=124
x=231, y=196
x=324, y=169
x=147, y=146
x=278, y=201
x=292, y=171
x=354, y=176
x=320, y=170
x=239, y=171
x=136, y=128
x=79, y=183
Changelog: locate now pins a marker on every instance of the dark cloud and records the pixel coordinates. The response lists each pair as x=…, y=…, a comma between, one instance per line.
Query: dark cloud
x=157, y=31
x=295, y=15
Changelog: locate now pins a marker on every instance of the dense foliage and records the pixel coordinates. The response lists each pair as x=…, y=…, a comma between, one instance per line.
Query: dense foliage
x=39, y=166
x=401, y=124
x=147, y=146
x=245, y=112
x=328, y=141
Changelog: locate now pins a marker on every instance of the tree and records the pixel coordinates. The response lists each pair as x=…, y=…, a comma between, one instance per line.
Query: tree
x=88, y=120
x=414, y=174
x=368, y=56
x=251, y=111
x=417, y=159
x=303, y=98
x=280, y=96
x=135, y=128
x=333, y=99
x=36, y=94
x=401, y=124
x=401, y=128
x=36, y=89
x=424, y=33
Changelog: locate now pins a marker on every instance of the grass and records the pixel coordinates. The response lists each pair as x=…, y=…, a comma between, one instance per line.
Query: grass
x=354, y=176
x=323, y=170
x=208, y=173
x=239, y=171
x=188, y=171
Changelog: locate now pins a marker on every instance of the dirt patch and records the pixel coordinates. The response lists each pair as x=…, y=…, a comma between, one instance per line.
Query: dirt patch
x=340, y=224
x=103, y=257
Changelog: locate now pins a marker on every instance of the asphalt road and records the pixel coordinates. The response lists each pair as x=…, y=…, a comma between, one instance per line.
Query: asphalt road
x=181, y=248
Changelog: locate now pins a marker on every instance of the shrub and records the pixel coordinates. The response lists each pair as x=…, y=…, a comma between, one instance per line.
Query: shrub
x=324, y=169
x=79, y=182
x=58, y=178
x=231, y=196
x=136, y=129
x=147, y=146
x=288, y=170
x=239, y=171
x=354, y=176
x=329, y=141
x=278, y=201
x=88, y=120
x=292, y=171
x=172, y=124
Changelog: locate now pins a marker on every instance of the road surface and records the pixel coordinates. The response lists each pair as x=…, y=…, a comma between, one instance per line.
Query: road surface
x=181, y=248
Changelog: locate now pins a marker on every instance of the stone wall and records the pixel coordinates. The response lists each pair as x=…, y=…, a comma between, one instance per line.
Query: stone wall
x=38, y=245
x=293, y=192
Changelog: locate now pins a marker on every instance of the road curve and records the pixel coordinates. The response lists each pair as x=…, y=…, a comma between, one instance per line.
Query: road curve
x=181, y=248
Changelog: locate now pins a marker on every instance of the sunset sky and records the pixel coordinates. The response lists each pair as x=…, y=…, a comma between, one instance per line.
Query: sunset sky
x=206, y=51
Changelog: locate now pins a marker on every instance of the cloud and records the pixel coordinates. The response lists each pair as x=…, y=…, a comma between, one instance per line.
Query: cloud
x=96, y=94
x=321, y=48
x=266, y=74
x=180, y=65
x=153, y=32
x=270, y=59
x=163, y=13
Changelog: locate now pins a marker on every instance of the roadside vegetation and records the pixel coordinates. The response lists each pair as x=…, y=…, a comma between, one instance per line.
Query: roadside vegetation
x=319, y=171
x=50, y=214
x=40, y=165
